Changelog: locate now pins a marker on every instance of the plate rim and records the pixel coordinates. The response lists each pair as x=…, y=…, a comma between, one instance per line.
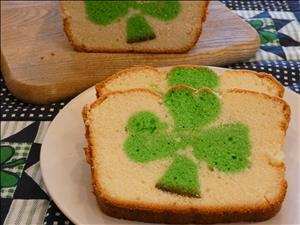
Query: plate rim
x=42, y=155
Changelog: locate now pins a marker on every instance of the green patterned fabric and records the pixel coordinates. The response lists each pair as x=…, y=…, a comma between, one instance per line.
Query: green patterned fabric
x=13, y=159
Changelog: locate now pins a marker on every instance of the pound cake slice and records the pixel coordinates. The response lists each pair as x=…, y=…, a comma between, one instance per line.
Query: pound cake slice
x=189, y=156
x=160, y=80
x=133, y=26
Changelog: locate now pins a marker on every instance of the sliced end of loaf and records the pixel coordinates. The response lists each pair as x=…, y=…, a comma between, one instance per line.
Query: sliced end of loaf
x=249, y=79
x=171, y=36
x=131, y=78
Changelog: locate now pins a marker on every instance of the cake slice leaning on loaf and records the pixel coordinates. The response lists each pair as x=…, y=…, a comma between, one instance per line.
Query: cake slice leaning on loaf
x=160, y=80
x=190, y=156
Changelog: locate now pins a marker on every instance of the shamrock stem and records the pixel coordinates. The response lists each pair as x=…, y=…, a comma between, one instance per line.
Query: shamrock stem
x=138, y=29
x=181, y=178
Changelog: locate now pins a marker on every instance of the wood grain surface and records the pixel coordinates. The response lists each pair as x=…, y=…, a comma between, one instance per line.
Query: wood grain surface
x=39, y=65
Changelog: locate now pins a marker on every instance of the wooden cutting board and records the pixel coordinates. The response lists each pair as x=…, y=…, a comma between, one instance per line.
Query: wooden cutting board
x=39, y=65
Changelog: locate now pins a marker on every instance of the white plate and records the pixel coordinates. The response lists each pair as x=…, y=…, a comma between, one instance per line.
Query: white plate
x=67, y=175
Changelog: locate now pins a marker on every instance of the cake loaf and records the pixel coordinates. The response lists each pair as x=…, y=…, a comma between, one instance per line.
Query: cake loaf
x=133, y=26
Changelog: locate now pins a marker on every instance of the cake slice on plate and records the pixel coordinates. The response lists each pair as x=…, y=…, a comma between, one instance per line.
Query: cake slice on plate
x=160, y=80
x=188, y=155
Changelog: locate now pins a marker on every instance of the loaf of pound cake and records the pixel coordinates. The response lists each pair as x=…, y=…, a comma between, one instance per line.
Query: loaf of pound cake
x=133, y=26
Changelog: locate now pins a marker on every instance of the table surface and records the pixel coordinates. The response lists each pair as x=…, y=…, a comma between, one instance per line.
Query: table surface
x=24, y=200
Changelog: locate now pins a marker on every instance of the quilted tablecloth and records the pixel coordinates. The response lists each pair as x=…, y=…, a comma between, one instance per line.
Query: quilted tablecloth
x=24, y=198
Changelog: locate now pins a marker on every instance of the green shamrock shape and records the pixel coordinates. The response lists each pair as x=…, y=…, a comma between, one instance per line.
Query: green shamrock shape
x=138, y=29
x=190, y=109
x=197, y=77
x=225, y=147
x=9, y=179
x=148, y=139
